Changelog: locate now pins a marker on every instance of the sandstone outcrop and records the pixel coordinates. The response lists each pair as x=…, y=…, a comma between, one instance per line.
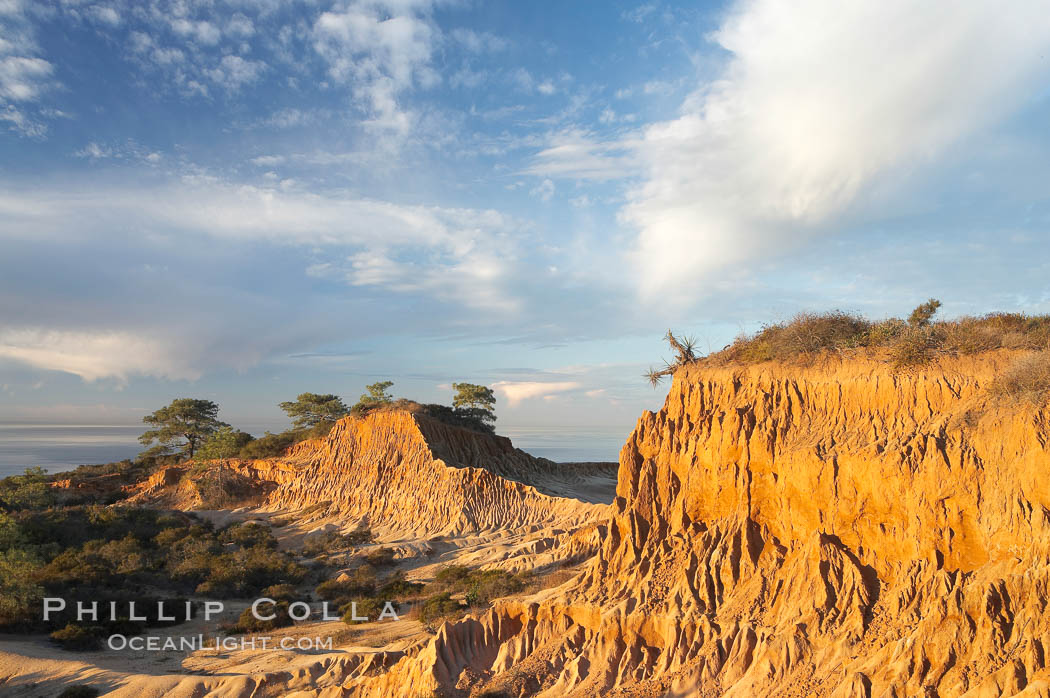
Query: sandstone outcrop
x=405, y=476
x=838, y=529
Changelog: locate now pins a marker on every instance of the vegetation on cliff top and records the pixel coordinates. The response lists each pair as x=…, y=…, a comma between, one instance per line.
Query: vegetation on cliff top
x=189, y=428
x=916, y=341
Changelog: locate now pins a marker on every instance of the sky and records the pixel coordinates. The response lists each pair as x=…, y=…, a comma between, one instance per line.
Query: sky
x=242, y=200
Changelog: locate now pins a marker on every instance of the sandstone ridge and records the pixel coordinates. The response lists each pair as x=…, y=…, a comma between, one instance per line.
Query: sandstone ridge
x=407, y=475
x=839, y=529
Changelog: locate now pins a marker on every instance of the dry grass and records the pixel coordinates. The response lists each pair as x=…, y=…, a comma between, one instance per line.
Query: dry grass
x=1027, y=379
x=807, y=333
x=907, y=344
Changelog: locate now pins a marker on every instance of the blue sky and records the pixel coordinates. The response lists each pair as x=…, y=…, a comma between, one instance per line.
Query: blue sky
x=248, y=199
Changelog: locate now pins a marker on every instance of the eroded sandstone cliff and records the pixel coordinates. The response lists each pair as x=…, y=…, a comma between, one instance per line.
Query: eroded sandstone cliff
x=405, y=476
x=840, y=529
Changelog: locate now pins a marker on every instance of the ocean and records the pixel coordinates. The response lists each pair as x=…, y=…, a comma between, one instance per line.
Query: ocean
x=58, y=448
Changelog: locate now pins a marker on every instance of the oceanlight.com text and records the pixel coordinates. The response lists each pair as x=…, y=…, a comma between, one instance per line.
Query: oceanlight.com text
x=194, y=643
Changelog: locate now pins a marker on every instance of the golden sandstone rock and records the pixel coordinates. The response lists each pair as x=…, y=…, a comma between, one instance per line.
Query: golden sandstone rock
x=839, y=529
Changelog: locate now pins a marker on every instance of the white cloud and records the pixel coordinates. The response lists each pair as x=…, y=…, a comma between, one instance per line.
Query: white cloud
x=19, y=122
x=479, y=42
x=168, y=56
x=200, y=31
x=233, y=72
x=24, y=75
x=96, y=354
x=466, y=77
x=573, y=154
x=105, y=14
x=129, y=150
x=380, y=48
x=94, y=151
x=518, y=391
x=462, y=255
x=240, y=26
x=267, y=160
x=10, y=7
x=23, y=78
x=658, y=87
x=546, y=88
x=544, y=190
x=523, y=79
x=640, y=13
x=821, y=102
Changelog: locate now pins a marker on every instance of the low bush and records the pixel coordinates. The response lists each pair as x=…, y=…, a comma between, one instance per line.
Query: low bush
x=248, y=535
x=397, y=587
x=440, y=607
x=279, y=592
x=81, y=691
x=807, y=333
x=248, y=570
x=369, y=609
x=451, y=575
x=359, y=583
x=333, y=541
x=914, y=342
x=1026, y=379
x=78, y=638
x=248, y=623
x=380, y=557
x=226, y=442
x=479, y=587
x=269, y=445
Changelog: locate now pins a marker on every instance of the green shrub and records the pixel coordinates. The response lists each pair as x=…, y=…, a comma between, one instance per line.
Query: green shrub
x=333, y=541
x=248, y=623
x=249, y=534
x=438, y=607
x=225, y=442
x=923, y=313
x=248, y=570
x=269, y=445
x=369, y=607
x=81, y=691
x=20, y=590
x=78, y=638
x=397, y=587
x=492, y=584
x=452, y=574
x=480, y=587
x=380, y=557
x=279, y=592
x=30, y=490
x=359, y=583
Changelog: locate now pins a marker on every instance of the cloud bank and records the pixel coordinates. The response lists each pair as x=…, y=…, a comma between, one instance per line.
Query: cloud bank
x=819, y=103
x=517, y=391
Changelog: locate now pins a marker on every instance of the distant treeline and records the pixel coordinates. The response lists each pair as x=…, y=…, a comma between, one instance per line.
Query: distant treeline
x=189, y=428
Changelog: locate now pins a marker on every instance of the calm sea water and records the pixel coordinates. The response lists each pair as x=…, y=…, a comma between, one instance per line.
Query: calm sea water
x=63, y=447
x=569, y=444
